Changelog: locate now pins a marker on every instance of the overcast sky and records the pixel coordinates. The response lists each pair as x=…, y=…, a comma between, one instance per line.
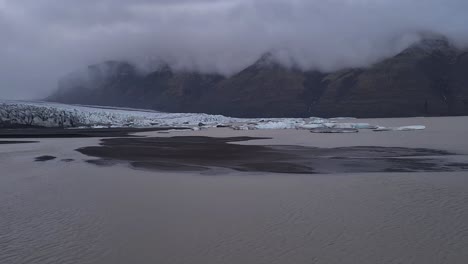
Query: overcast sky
x=42, y=40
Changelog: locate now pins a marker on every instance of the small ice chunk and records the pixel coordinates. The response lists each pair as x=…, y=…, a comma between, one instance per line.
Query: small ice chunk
x=351, y=125
x=410, y=128
x=382, y=129
x=343, y=118
x=275, y=125
x=403, y=128
x=240, y=127
x=310, y=126
x=363, y=126
x=329, y=130
x=316, y=120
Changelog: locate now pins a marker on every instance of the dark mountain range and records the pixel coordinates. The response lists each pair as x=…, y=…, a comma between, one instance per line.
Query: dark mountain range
x=429, y=78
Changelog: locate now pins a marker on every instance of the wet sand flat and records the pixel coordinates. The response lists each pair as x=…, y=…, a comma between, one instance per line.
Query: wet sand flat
x=191, y=153
x=76, y=132
x=446, y=133
x=15, y=142
x=76, y=212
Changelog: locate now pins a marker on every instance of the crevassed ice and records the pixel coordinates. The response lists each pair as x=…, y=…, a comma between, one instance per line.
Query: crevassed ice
x=72, y=116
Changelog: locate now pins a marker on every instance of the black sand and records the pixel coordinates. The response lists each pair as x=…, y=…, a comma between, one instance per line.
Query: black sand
x=204, y=153
x=45, y=158
x=16, y=142
x=76, y=133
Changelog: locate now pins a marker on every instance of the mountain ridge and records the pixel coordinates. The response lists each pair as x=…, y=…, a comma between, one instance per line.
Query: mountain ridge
x=429, y=78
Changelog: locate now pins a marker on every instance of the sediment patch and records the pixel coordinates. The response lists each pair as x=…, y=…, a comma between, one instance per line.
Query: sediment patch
x=44, y=158
x=203, y=153
x=77, y=133
x=16, y=142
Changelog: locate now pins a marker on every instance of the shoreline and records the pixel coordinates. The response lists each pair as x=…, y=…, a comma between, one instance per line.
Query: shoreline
x=154, y=197
x=78, y=132
x=198, y=153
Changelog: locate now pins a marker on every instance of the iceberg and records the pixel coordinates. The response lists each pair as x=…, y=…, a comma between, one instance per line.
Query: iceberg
x=276, y=125
x=403, y=128
x=382, y=129
x=410, y=128
x=343, y=118
x=350, y=125
x=310, y=126
x=329, y=130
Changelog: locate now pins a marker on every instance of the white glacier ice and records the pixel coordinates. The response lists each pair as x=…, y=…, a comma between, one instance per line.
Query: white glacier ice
x=44, y=114
x=62, y=115
x=410, y=128
x=403, y=128
x=350, y=125
x=329, y=130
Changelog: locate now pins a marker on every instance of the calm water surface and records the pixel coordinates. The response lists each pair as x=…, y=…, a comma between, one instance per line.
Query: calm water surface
x=74, y=212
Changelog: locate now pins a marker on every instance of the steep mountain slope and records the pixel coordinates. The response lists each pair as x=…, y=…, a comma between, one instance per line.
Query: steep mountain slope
x=429, y=78
x=116, y=83
x=415, y=82
x=265, y=89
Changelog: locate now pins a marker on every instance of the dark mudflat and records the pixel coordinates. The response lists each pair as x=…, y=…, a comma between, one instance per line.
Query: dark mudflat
x=16, y=142
x=45, y=158
x=204, y=153
x=76, y=133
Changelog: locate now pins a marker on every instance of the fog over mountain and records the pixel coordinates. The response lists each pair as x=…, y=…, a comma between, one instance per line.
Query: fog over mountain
x=43, y=40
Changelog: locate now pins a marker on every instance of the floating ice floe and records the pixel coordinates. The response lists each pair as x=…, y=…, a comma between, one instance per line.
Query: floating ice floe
x=410, y=128
x=328, y=130
x=42, y=114
x=403, y=128
x=382, y=129
x=275, y=125
x=342, y=118
x=350, y=125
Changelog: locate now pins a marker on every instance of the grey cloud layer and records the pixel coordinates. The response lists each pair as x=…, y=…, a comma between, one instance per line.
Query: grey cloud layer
x=45, y=39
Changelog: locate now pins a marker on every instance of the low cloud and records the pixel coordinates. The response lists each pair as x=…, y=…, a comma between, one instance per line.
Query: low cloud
x=43, y=40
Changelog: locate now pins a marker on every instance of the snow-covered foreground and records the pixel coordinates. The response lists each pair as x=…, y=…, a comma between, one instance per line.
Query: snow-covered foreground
x=72, y=116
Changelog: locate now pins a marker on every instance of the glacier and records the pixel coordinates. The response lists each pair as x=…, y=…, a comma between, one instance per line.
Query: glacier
x=56, y=115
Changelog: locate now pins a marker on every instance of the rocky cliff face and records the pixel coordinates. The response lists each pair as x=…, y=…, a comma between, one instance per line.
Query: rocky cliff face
x=427, y=79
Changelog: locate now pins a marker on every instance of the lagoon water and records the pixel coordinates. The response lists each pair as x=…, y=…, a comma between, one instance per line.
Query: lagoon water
x=75, y=212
